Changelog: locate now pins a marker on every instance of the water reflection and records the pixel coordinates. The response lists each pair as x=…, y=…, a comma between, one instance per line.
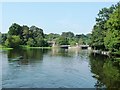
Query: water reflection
x=69, y=52
x=28, y=56
x=56, y=68
x=60, y=52
x=106, y=73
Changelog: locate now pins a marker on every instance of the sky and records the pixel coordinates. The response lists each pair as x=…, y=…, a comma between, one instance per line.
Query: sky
x=52, y=17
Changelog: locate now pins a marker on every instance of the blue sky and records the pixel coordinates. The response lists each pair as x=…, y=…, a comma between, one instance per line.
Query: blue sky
x=52, y=17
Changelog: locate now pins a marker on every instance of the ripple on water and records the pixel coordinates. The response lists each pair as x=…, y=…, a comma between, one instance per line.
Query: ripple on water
x=55, y=71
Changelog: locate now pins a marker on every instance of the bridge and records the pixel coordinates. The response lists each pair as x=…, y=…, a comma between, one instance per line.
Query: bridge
x=53, y=44
x=78, y=46
x=83, y=46
x=64, y=46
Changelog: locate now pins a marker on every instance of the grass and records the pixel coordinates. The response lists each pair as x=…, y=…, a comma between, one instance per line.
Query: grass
x=28, y=47
x=24, y=47
x=5, y=48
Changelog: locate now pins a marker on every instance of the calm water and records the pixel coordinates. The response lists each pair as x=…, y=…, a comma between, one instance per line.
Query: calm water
x=57, y=68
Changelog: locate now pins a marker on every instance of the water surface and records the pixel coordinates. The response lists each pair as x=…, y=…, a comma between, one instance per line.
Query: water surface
x=57, y=68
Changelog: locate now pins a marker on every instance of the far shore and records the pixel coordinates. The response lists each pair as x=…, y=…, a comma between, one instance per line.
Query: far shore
x=5, y=48
x=108, y=53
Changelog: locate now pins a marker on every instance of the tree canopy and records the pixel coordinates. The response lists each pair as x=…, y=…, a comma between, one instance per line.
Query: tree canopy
x=106, y=31
x=34, y=37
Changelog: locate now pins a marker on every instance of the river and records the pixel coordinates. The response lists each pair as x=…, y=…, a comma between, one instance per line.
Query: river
x=57, y=68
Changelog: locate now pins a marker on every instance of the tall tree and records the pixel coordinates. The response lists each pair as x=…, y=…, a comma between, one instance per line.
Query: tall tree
x=112, y=39
x=15, y=29
x=25, y=34
x=62, y=41
x=3, y=38
x=68, y=34
x=13, y=41
x=99, y=29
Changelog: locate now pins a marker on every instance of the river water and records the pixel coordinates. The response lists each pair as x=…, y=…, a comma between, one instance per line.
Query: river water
x=57, y=68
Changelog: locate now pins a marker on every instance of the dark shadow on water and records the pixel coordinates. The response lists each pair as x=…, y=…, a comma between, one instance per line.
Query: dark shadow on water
x=106, y=73
x=26, y=56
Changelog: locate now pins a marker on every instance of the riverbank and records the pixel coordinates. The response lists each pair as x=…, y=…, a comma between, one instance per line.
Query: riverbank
x=107, y=53
x=28, y=47
x=101, y=52
x=5, y=48
x=24, y=47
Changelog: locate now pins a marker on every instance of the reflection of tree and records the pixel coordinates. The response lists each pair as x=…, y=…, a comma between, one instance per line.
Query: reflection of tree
x=28, y=55
x=70, y=52
x=105, y=72
x=99, y=84
x=61, y=52
x=112, y=74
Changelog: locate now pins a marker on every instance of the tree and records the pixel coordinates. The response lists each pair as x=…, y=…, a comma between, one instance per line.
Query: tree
x=30, y=42
x=25, y=34
x=62, y=41
x=39, y=42
x=112, y=39
x=51, y=36
x=15, y=29
x=99, y=29
x=88, y=39
x=3, y=38
x=13, y=41
x=36, y=32
x=68, y=34
x=81, y=42
x=72, y=42
x=0, y=38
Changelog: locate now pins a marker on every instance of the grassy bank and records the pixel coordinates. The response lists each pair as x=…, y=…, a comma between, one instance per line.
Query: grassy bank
x=5, y=48
x=28, y=47
x=24, y=47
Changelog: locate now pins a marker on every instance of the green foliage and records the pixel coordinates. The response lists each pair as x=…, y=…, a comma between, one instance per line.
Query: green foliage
x=72, y=42
x=67, y=38
x=13, y=41
x=80, y=42
x=62, y=41
x=106, y=31
x=32, y=36
x=0, y=38
x=51, y=36
x=25, y=34
x=67, y=34
x=30, y=42
x=15, y=29
x=82, y=39
x=36, y=32
x=3, y=38
x=40, y=42
x=112, y=39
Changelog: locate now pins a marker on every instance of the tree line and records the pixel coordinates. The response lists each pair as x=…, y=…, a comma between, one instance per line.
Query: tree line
x=23, y=35
x=106, y=32
x=35, y=37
